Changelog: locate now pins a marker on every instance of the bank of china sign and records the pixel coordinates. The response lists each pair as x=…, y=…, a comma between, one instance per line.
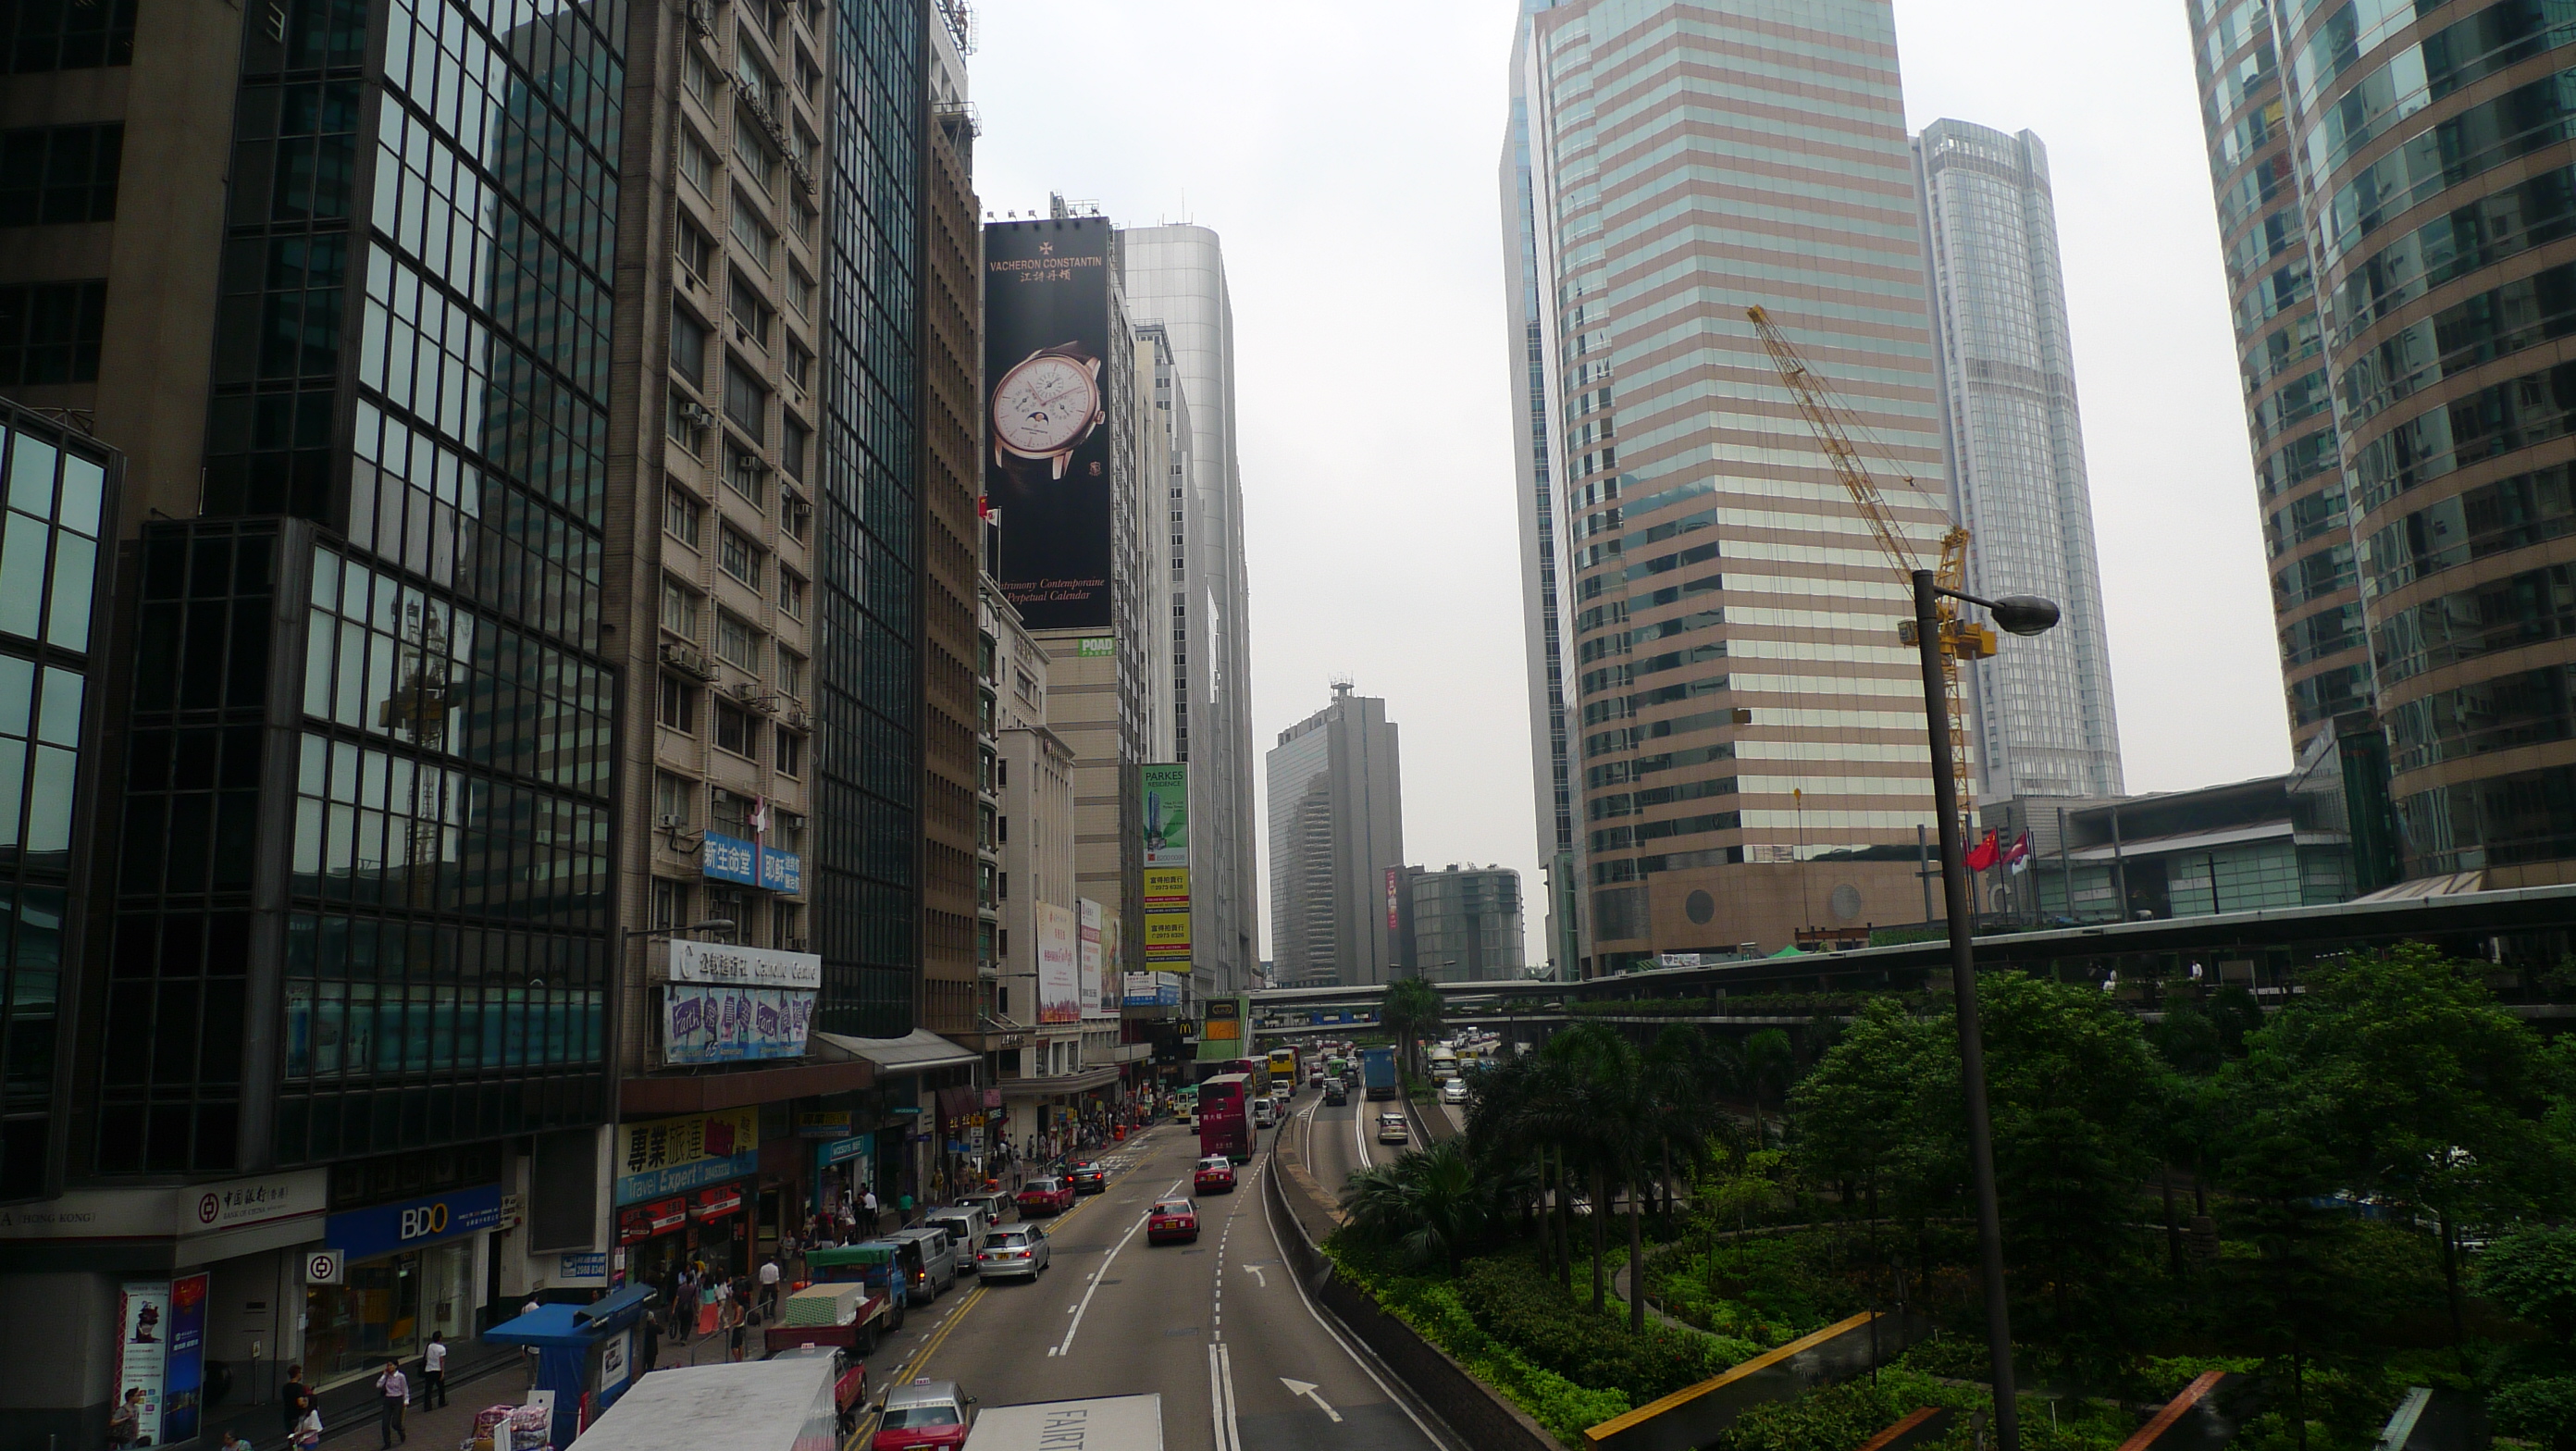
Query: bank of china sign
x=726, y=1004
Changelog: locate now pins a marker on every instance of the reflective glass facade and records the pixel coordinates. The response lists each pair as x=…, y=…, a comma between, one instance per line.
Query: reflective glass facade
x=867, y=866
x=2434, y=155
x=2325, y=670
x=57, y=495
x=2045, y=721
x=1688, y=162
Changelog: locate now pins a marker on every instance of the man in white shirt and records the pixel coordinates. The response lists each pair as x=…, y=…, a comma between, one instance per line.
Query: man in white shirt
x=433, y=1371
x=769, y=1287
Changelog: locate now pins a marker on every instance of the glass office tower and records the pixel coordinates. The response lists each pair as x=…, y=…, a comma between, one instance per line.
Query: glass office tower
x=2430, y=155
x=2044, y=719
x=1746, y=726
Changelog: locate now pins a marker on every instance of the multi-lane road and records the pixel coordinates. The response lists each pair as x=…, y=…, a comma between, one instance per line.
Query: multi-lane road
x=1242, y=1359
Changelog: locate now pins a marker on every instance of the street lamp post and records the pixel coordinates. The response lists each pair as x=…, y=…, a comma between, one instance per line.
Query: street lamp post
x=2019, y=615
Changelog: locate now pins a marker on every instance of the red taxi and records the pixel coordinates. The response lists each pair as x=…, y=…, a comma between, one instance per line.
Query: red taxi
x=1046, y=1196
x=1172, y=1222
x=927, y=1415
x=1215, y=1175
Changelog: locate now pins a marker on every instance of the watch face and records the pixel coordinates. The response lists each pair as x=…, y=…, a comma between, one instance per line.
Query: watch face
x=1044, y=405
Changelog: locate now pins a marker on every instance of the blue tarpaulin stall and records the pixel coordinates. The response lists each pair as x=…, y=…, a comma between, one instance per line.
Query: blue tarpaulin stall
x=585, y=1353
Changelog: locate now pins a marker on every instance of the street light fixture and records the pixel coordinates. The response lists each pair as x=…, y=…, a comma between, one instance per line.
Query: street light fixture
x=2017, y=615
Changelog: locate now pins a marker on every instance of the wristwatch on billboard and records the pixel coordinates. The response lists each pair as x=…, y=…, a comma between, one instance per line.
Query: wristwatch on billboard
x=1045, y=406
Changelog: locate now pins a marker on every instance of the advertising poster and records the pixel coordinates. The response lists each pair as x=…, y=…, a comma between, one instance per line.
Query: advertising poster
x=1090, y=930
x=661, y=1157
x=1166, y=815
x=1047, y=363
x=709, y=1023
x=1151, y=990
x=143, y=1350
x=1059, y=970
x=183, y=1376
x=1167, y=918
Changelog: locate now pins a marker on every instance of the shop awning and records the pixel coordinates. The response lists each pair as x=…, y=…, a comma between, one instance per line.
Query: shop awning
x=545, y=1325
x=609, y=1310
x=918, y=1051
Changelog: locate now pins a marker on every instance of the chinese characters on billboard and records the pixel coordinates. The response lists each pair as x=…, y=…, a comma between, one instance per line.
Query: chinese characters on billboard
x=1059, y=970
x=1050, y=366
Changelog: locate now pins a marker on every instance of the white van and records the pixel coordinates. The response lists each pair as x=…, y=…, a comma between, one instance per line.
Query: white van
x=938, y=1260
x=967, y=1225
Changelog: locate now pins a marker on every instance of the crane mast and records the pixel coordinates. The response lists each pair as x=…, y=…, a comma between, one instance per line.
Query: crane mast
x=1833, y=423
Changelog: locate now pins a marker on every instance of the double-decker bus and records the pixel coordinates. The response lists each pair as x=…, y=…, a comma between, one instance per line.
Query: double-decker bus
x=1283, y=1065
x=1255, y=1069
x=1225, y=1117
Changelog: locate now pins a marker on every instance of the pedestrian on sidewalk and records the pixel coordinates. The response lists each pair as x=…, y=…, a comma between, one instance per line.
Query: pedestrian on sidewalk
x=293, y=1399
x=233, y=1442
x=433, y=1371
x=394, y=1391
x=652, y=1343
x=868, y=1207
x=769, y=1285
x=125, y=1423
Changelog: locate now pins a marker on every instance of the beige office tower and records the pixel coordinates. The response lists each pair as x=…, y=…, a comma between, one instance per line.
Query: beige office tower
x=1746, y=750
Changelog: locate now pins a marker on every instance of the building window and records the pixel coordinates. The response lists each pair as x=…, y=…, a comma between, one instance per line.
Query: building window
x=786, y=830
x=791, y=753
x=679, y=609
x=59, y=174
x=699, y=76
x=800, y=291
x=35, y=36
x=688, y=346
x=698, y=163
x=743, y=471
x=688, y=423
x=794, y=514
x=670, y=904
x=793, y=440
x=737, y=641
x=679, y=705
x=738, y=556
x=791, y=594
x=749, y=311
x=791, y=674
x=729, y=904
x=673, y=799
x=49, y=331
x=752, y=232
x=787, y=926
x=696, y=251
x=733, y=731
x=683, y=517
x=800, y=371
x=746, y=401
x=759, y=163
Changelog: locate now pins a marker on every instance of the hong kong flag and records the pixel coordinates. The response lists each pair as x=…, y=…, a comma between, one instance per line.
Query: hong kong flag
x=1983, y=854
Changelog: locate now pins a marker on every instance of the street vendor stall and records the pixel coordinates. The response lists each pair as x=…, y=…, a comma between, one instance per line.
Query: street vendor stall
x=585, y=1354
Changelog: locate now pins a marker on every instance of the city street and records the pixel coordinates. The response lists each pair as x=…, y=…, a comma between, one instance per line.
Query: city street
x=1218, y=1328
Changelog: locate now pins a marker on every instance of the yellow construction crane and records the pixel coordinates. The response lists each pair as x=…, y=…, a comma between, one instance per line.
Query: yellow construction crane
x=1833, y=423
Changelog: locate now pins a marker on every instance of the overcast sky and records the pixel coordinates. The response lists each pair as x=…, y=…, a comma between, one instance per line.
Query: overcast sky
x=1346, y=152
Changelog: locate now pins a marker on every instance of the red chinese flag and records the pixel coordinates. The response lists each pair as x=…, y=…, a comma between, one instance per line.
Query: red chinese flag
x=1982, y=855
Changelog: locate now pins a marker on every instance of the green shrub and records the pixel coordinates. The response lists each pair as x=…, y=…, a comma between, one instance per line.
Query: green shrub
x=2164, y=1379
x=1955, y=1357
x=1536, y=1317
x=2541, y=1410
x=1837, y=1418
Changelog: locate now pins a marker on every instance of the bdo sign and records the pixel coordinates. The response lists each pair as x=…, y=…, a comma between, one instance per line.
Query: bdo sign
x=380, y=1229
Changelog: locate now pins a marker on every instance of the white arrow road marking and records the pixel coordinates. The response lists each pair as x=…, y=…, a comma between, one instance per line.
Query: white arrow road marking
x=1256, y=1274
x=1307, y=1389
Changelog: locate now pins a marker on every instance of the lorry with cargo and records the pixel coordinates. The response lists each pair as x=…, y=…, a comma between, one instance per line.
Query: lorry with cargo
x=847, y=1313
x=1377, y=1072
x=790, y=1403
x=1101, y=1423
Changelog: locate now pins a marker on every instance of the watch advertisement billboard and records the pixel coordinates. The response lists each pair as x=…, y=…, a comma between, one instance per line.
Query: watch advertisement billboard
x=1090, y=930
x=1059, y=969
x=712, y=1023
x=1166, y=815
x=1050, y=367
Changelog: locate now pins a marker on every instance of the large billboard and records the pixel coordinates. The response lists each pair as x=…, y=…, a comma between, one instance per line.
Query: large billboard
x=1059, y=976
x=1092, y=1007
x=1047, y=369
x=1167, y=919
x=1166, y=814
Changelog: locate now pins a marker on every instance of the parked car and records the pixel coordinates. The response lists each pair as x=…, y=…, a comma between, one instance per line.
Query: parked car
x=1088, y=1179
x=938, y=1271
x=1045, y=1196
x=1014, y=1249
x=923, y=1416
x=1336, y=1095
x=967, y=1224
x=1454, y=1091
x=1215, y=1175
x=1171, y=1222
x=1391, y=1129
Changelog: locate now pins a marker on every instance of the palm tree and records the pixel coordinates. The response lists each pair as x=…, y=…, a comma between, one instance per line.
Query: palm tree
x=1686, y=1075
x=1591, y=1114
x=1766, y=1057
x=1410, y=1011
x=1430, y=1203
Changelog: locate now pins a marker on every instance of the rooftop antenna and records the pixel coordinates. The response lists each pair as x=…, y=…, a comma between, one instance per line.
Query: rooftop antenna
x=1342, y=686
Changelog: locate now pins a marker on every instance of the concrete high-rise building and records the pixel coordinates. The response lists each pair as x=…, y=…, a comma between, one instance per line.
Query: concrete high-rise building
x=1176, y=278
x=1552, y=771
x=1739, y=708
x=1462, y=924
x=2393, y=194
x=1336, y=846
x=2015, y=448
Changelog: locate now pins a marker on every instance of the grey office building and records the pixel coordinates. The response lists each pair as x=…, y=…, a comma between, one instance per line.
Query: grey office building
x=1465, y=923
x=1336, y=846
x=2015, y=447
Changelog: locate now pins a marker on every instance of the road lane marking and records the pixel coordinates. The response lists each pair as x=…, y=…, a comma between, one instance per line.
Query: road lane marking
x=1271, y=1223
x=1257, y=1275
x=1221, y=1398
x=1076, y=1327
x=1309, y=1390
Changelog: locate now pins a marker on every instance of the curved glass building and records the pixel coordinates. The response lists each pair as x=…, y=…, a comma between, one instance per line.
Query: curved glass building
x=2397, y=195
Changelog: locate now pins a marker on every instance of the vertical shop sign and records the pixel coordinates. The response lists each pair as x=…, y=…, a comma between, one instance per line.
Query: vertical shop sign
x=183, y=1377
x=143, y=1350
